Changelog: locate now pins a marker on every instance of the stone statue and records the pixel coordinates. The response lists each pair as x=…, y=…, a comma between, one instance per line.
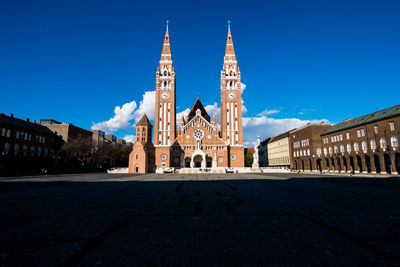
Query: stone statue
x=255, y=155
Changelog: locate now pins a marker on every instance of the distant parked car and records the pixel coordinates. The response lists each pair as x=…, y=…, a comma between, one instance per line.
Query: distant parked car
x=229, y=170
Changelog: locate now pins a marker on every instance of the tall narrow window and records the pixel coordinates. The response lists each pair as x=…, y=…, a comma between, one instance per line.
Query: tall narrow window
x=376, y=129
x=391, y=124
x=373, y=144
x=394, y=141
x=383, y=143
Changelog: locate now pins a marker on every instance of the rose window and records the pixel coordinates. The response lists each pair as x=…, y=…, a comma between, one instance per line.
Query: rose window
x=198, y=134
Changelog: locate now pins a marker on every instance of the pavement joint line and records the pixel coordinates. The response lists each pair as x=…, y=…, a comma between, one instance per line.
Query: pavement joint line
x=178, y=187
x=229, y=185
x=93, y=243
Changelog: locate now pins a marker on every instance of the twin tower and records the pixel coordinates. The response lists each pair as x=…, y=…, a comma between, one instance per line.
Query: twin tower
x=197, y=141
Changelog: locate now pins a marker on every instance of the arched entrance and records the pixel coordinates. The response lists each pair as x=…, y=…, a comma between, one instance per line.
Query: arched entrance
x=388, y=163
x=327, y=163
x=296, y=166
x=302, y=165
x=310, y=162
x=187, y=162
x=377, y=164
x=333, y=164
x=345, y=163
x=368, y=163
x=197, y=161
x=359, y=164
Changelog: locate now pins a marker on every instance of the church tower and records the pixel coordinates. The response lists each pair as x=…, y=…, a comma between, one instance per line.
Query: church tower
x=165, y=107
x=141, y=159
x=231, y=105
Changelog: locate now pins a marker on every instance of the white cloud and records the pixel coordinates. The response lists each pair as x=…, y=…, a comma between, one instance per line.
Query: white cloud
x=180, y=114
x=124, y=115
x=130, y=138
x=268, y=112
x=213, y=110
x=147, y=105
x=121, y=119
x=267, y=127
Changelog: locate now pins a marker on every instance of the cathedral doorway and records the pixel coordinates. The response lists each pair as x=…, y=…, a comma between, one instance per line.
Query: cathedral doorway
x=209, y=162
x=377, y=164
x=388, y=163
x=197, y=161
x=187, y=162
x=368, y=163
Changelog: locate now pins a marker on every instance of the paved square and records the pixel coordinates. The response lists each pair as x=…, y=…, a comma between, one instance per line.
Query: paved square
x=223, y=219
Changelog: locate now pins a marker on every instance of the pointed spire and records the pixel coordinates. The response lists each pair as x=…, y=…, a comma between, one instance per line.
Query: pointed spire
x=144, y=121
x=166, y=50
x=229, y=51
x=214, y=121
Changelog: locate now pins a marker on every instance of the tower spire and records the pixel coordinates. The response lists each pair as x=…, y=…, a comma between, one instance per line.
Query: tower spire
x=166, y=50
x=229, y=51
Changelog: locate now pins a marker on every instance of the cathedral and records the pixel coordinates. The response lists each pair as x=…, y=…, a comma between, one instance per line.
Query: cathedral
x=196, y=141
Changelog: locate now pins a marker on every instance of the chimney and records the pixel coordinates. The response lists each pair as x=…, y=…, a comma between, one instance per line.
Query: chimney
x=27, y=119
x=11, y=115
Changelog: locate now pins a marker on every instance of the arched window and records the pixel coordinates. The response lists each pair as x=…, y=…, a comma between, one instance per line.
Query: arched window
x=16, y=149
x=342, y=148
x=165, y=72
x=373, y=144
x=318, y=151
x=6, y=148
x=356, y=148
x=394, y=141
x=383, y=143
x=325, y=151
x=348, y=148
x=330, y=150
x=364, y=146
x=231, y=73
x=336, y=149
x=308, y=152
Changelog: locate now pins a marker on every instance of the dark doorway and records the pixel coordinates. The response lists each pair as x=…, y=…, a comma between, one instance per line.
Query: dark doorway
x=302, y=165
x=209, y=162
x=359, y=164
x=368, y=163
x=327, y=163
x=388, y=163
x=187, y=162
x=137, y=169
x=352, y=164
x=377, y=164
x=296, y=166
x=397, y=162
x=333, y=163
x=345, y=164
x=310, y=162
x=339, y=166
x=319, y=165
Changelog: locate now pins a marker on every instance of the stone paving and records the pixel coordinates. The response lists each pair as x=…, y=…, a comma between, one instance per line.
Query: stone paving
x=199, y=220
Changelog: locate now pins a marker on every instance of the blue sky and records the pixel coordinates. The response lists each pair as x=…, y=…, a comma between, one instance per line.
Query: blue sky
x=75, y=61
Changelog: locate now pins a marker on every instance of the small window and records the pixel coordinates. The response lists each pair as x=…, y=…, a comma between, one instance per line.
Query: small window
x=362, y=132
x=342, y=148
x=376, y=129
x=330, y=150
x=8, y=133
x=325, y=151
x=358, y=133
x=391, y=124
x=336, y=149
x=348, y=136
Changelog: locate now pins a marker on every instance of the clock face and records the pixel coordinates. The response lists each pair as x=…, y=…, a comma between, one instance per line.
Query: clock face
x=198, y=134
x=233, y=157
x=231, y=95
x=165, y=95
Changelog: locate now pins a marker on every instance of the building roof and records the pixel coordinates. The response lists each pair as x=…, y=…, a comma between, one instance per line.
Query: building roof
x=144, y=121
x=281, y=136
x=197, y=105
x=310, y=125
x=363, y=120
x=4, y=119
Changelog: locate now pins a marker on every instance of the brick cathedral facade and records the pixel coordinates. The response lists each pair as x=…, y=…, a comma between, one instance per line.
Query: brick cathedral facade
x=197, y=141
